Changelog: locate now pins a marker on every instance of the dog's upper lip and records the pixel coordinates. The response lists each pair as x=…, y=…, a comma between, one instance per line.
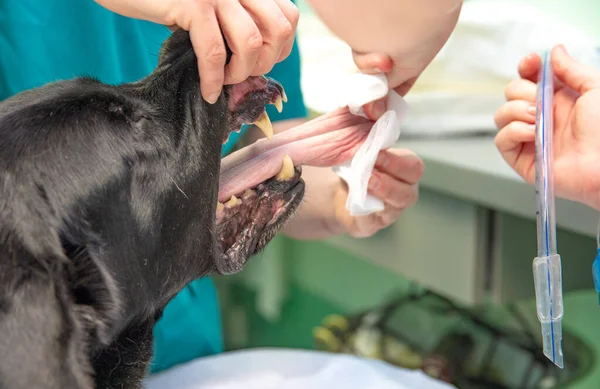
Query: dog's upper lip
x=247, y=100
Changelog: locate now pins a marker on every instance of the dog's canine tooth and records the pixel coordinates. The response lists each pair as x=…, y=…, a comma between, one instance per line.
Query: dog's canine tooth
x=248, y=193
x=278, y=103
x=220, y=206
x=265, y=125
x=233, y=201
x=283, y=95
x=287, y=169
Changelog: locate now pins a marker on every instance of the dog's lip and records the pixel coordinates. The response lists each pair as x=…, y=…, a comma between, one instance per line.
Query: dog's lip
x=265, y=87
x=327, y=141
x=234, y=261
x=247, y=102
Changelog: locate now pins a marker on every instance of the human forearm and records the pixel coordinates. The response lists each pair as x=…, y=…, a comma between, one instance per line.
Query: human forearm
x=315, y=218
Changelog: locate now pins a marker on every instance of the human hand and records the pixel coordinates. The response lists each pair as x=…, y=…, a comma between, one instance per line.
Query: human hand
x=576, y=118
x=377, y=63
x=259, y=33
x=394, y=180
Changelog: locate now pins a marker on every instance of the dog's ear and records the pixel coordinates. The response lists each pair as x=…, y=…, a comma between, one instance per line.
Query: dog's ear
x=45, y=333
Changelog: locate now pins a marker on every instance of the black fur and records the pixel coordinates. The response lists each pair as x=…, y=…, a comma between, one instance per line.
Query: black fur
x=107, y=208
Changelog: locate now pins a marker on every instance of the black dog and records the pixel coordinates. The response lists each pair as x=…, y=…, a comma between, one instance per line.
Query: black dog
x=108, y=197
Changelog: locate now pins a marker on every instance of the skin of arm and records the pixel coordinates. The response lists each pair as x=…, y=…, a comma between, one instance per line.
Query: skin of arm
x=410, y=32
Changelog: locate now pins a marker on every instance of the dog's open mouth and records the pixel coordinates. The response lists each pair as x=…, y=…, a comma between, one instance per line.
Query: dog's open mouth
x=260, y=185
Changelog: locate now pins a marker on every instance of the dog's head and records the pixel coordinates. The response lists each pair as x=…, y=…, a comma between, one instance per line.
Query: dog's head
x=112, y=200
x=250, y=215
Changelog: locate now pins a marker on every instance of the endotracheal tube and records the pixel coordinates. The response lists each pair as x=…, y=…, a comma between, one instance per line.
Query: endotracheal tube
x=547, y=273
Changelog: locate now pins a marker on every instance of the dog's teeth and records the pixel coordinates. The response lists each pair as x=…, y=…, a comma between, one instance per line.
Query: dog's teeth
x=283, y=95
x=264, y=123
x=248, y=193
x=278, y=104
x=233, y=201
x=220, y=206
x=287, y=169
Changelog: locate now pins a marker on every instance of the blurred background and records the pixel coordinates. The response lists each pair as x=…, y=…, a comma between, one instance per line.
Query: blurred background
x=448, y=288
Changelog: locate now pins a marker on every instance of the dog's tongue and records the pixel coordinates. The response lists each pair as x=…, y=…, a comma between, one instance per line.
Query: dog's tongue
x=327, y=141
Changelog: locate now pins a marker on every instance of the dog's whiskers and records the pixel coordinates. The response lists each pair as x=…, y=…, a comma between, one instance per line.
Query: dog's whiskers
x=181, y=190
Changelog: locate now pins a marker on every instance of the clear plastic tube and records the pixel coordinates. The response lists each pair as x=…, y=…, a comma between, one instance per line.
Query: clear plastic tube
x=547, y=273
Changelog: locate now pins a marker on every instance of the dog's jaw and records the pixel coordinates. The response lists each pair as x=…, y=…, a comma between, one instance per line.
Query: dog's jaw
x=247, y=221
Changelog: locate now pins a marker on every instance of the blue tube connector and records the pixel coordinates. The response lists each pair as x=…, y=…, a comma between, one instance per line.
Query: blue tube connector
x=596, y=273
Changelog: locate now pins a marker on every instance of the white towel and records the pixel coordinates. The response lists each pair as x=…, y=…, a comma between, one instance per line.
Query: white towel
x=358, y=90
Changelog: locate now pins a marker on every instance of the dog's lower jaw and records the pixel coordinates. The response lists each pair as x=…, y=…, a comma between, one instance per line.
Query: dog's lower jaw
x=247, y=226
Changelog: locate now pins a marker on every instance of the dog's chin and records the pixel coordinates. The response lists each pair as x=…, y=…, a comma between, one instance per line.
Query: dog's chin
x=248, y=222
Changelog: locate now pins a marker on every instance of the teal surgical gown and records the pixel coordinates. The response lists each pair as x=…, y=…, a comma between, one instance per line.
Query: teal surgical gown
x=48, y=40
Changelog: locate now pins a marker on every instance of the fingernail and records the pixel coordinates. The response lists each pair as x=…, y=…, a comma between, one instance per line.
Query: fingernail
x=382, y=160
x=531, y=110
x=373, y=71
x=528, y=58
x=374, y=183
x=212, y=98
x=532, y=127
x=563, y=48
x=378, y=109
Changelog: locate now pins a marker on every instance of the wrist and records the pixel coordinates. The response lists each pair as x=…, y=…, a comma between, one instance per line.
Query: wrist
x=319, y=216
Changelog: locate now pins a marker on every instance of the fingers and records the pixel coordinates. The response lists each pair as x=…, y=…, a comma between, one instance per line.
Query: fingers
x=366, y=226
x=292, y=15
x=401, y=164
x=515, y=110
x=375, y=109
x=210, y=49
x=516, y=143
x=514, y=134
x=258, y=32
x=520, y=89
x=372, y=63
x=388, y=216
x=392, y=191
x=572, y=73
x=243, y=38
x=530, y=66
x=275, y=29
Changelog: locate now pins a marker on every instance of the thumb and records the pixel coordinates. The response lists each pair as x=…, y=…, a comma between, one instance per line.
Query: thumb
x=573, y=73
x=372, y=63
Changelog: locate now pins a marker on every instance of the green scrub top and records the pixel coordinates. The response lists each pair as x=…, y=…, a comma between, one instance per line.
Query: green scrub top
x=47, y=40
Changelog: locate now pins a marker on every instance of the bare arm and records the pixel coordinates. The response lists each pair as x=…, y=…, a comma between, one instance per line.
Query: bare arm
x=410, y=32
